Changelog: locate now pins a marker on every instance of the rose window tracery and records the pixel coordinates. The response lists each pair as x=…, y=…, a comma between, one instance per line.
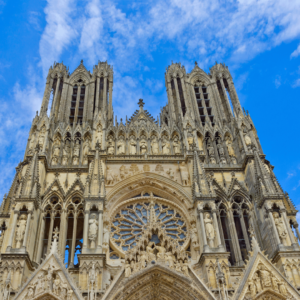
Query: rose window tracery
x=129, y=222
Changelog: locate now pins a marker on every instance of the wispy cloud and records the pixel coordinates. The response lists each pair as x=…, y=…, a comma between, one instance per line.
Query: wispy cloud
x=291, y=174
x=296, y=52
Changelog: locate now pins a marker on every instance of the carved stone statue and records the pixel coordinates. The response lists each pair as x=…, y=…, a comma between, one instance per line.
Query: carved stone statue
x=70, y=295
x=169, y=258
x=21, y=227
x=86, y=150
x=110, y=146
x=282, y=232
x=132, y=146
x=30, y=292
x=210, y=149
x=42, y=137
x=98, y=135
x=154, y=146
x=185, y=269
x=184, y=174
x=150, y=252
x=265, y=277
x=282, y=288
x=40, y=283
x=55, y=151
x=76, y=152
x=212, y=160
x=66, y=153
x=165, y=146
x=220, y=147
x=32, y=142
x=93, y=229
x=176, y=145
x=161, y=252
x=143, y=147
x=143, y=259
x=127, y=270
x=56, y=285
x=171, y=173
x=275, y=282
x=194, y=237
x=229, y=146
x=252, y=288
x=105, y=237
x=209, y=229
x=257, y=282
x=121, y=145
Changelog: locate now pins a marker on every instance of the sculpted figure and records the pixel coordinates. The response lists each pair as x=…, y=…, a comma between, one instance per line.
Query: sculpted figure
x=184, y=174
x=40, y=283
x=66, y=153
x=64, y=290
x=110, y=146
x=150, y=252
x=165, y=146
x=275, y=282
x=143, y=259
x=76, y=152
x=161, y=252
x=5, y=294
x=220, y=147
x=32, y=142
x=170, y=172
x=93, y=229
x=56, y=285
x=185, y=269
x=265, y=277
x=121, y=145
x=143, y=147
x=105, y=237
x=252, y=288
x=169, y=258
x=154, y=146
x=98, y=136
x=127, y=270
x=110, y=176
x=257, y=282
x=42, y=137
x=123, y=172
x=282, y=288
x=209, y=229
x=21, y=227
x=70, y=295
x=132, y=146
x=229, y=146
x=178, y=267
x=176, y=145
x=86, y=150
x=212, y=160
x=210, y=149
x=194, y=237
x=55, y=151
x=30, y=293
x=282, y=232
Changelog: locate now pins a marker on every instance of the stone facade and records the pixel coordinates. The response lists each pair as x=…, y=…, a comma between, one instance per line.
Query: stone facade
x=182, y=207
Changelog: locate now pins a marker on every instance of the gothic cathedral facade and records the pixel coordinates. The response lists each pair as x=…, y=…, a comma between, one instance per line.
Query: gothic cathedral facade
x=185, y=206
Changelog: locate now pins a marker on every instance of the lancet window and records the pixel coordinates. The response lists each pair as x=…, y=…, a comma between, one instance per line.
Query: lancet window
x=181, y=97
x=81, y=104
x=77, y=103
x=130, y=221
x=73, y=104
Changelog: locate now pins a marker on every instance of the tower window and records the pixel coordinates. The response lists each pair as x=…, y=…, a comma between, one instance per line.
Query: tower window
x=73, y=104
x=183, y=107
x=101, y=91
x=81, y=104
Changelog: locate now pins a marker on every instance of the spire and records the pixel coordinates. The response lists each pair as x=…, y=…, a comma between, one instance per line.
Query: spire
x=141, y=104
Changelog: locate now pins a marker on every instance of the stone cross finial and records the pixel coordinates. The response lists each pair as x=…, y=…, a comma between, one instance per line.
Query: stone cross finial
x=141, y=103
x=55, y=233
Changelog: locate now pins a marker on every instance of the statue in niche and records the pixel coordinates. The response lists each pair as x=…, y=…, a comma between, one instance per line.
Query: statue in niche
x=56, y=285
x=105, y=238
x=184, y=174
x=40, y=283
x=223, y=160
x=55, y=151
x=282, y=288
x=230, y=149
x=93, y=229
x=154, y=146
x=30, y=292
x=121, y=145
x=220, y=147
x=247, y=138
x=123, y=172
x=132, y=144
x=161, y=252
x=257, y=282
x=212, y=160
x=265, y=277
x=194, y=237
x=282, y=232
x=110, y=146
x=190, y=138
x=86, y=150
x=176, y=145
x=165, y=146
x=66, y=153
x=150, y=252
x=20, y=232
x=127, y=270
x=111, y=177
x=42, y=137
x=210, y=149
x=209, y=229
x=275, y=282
x=171, y=174
x=76, y=152
x=143, y=147
x=252, y=288
x=99, y=134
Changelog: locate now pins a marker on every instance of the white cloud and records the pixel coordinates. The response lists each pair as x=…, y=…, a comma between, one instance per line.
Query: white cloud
x=296, y=83
x=296, y=52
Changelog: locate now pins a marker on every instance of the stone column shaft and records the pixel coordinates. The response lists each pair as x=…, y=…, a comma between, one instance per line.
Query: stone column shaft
x=100, y=231
x=97, y=95
x=205, y=245
x=274, y=228
x=245, y=233
x=219, y=243
x=104, y=94
x=10, y=241
x=55, y=97
x=27, y=230
x=41, y=239
x=177, y=97
x=288, y=227
x=225, y=96
x=77, y=104
x=73, y=241
x=50, y=233
x=85, y=229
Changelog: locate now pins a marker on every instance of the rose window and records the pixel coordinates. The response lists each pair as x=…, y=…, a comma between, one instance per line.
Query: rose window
x=128, y=224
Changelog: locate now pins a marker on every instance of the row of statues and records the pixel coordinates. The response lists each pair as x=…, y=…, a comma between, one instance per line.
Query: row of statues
x=264, y=279
x=143, y=146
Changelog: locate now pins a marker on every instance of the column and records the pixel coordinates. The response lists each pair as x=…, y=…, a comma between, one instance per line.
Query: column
x=194, y=100
x=86, y=104
x=45, y=141
x=288, y=227
x=295, y=224
x=274, y=229
x=219, y=243
x=185, y=98
x=234, y=238
x=10, y=241
x=77, y=104
x=169, y=92
x=46, y=96
x=110, y=109
x=104, y=93
x=244, y=231
x=63, y=100
x=85, y=229
x=73, y=241
x=55, y=96
x=27, y=229
x=177, y=97
x=50, y=232
x=205, y=246
x=100, y=230
x=41, y=239
x=225, y=95
x=233, y=95
x=63, y=230
x=97, y=95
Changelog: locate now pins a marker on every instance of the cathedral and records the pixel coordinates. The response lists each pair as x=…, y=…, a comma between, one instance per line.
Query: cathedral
x=182, y=206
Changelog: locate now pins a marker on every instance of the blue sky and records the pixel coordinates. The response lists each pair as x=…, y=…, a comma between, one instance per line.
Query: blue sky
x=258, y=40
